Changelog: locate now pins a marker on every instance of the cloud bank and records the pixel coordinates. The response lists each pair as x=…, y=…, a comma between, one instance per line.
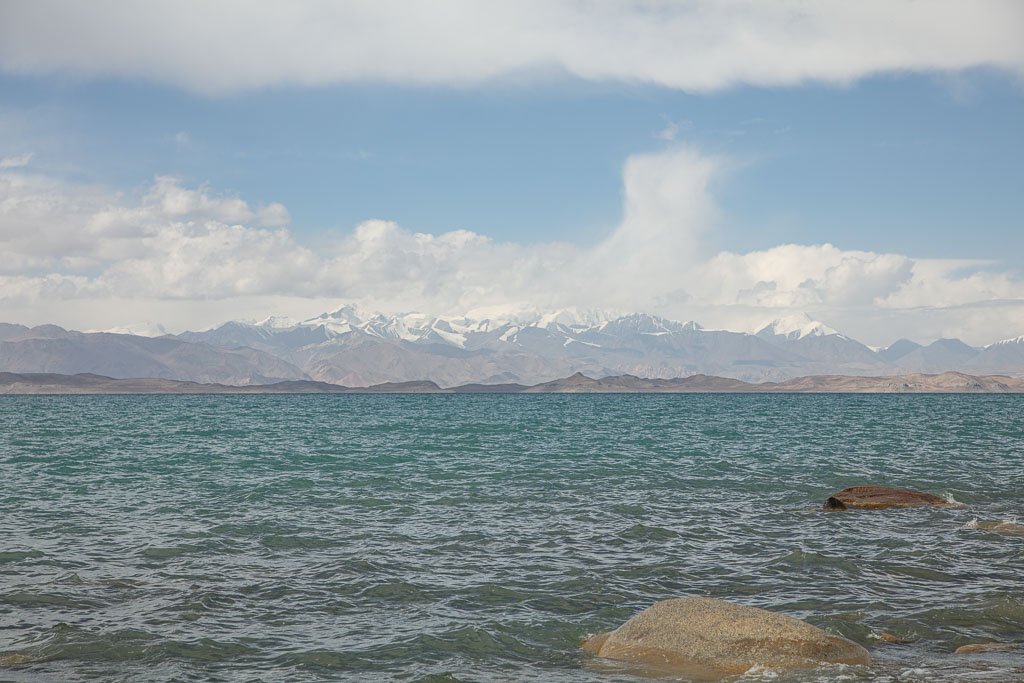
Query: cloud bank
x=191, y=257
x=697, y=45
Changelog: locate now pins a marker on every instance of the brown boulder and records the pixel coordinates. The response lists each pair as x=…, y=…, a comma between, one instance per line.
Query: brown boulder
x=974, y=648
x=878, y=497
x=710, y=639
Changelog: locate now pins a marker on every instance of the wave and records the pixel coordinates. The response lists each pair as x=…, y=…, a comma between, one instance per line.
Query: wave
x=953, y=502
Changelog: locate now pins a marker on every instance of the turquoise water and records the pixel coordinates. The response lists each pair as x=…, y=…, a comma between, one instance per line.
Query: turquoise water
x=481, y=538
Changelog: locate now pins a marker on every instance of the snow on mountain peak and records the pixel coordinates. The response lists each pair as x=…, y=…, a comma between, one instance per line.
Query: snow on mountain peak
x=458, y=330
x=574, y=317
x=277, y=322
x=645, y=323
x=143, y=329
x=347, y=313
x=443, y=329
x=796, y=326
x=469, y=325
x=339, y=321
x=1008, y=342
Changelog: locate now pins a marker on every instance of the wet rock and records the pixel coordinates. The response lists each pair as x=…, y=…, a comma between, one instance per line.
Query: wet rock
x=887, y=637
x=593, y=643
x=833, y=504
x=878, y=497
x=975, y=648
x=709, y=639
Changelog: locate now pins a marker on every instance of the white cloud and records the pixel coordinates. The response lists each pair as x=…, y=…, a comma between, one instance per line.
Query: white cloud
x=187, y=257
x=795, y=276
x=669, y=132
x=699, y=45
x=175, y=201
x=668, y=207
x=16, y=161
x=274, y=215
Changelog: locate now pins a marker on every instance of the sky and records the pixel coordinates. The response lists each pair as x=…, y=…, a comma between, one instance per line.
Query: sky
x=730, y=162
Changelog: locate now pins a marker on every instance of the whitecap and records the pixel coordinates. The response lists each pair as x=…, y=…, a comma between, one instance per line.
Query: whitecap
x=973, y=524
x=953, y=502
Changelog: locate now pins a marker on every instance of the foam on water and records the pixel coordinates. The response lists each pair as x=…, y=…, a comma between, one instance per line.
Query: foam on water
x=953, y=502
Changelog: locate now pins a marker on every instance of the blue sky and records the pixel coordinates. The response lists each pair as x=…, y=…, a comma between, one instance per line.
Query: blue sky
x=729, y=161
x=915, y=164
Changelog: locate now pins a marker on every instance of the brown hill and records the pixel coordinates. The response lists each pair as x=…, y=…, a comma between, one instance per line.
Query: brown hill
x=945, y=383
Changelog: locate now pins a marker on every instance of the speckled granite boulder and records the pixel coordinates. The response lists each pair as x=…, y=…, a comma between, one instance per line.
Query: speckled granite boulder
x=708, y=639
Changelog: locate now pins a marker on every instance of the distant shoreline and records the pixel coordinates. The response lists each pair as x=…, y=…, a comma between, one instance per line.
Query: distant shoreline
x=944, y=383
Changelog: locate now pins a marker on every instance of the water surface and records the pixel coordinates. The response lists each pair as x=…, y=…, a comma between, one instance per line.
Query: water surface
x=483, y=537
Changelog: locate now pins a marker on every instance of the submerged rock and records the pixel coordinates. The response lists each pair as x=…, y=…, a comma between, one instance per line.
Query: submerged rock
x=974, y=648
x=710, y=639
x=997, y=526
x=878, y=497
x=15, y=660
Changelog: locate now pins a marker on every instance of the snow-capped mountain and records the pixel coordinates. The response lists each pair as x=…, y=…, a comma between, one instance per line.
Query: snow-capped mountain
x=1001, y=357
x=796, y=327
x=1015, y=341
x=277, y=322
x=142, y=329
x=576, y=318
x=816, y=341
x=347, y=346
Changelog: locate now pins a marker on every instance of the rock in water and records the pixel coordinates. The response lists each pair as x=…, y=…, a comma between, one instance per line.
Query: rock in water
x=710, y=639
x=975, y=648
x=15, y=660
x=999, y=527
x=833, y=504
x=878, y=497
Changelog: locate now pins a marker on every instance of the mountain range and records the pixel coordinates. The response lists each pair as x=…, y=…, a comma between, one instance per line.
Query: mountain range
x=345, y=348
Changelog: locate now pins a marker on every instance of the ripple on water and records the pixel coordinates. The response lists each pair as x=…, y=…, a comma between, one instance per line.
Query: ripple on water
x=33, y=599
x=467, y=538
x=19, y=555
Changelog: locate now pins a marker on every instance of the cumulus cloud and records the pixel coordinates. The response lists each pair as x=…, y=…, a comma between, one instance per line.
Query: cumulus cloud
x=667, y=209
x=699, y=45
x=48, y=225
x=82, y=256
x=796, y=276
